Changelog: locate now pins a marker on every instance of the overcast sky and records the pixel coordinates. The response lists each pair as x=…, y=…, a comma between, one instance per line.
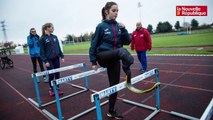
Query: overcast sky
x=80, y=16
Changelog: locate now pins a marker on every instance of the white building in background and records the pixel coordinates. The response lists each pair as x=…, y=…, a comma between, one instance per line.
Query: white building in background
x=19, y=50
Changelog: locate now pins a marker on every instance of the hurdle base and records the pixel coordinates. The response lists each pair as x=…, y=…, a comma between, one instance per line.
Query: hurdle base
x=51, y=116
x=76, y=116
x=155, y=110
x=87, y=111
x=51, y=102
x=79, y=87
x=183, y=115
x=34, y=102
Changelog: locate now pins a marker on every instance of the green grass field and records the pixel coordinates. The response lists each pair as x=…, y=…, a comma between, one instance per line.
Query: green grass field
x=203, y=39
x=170, y=40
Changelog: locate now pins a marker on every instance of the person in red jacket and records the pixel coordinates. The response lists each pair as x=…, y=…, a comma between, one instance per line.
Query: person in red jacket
x=141, y=42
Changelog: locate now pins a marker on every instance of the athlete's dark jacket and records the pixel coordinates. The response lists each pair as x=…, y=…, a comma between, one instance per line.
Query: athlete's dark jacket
x=108, y=36
x=50, y=48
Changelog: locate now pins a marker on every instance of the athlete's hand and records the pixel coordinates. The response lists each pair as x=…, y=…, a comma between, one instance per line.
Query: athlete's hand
x=47, y=64
x=94, y=67
x=62, y=59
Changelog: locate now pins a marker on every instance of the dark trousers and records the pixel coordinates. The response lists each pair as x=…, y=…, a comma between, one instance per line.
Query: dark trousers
x=54, y=63
x=111, y=60
x=143, y=60
x=34, y=62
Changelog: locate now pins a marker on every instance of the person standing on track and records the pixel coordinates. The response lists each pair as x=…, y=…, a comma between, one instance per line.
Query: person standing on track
x=34, y=51
x=141, y=42
x=106, y=49
x=50, y=53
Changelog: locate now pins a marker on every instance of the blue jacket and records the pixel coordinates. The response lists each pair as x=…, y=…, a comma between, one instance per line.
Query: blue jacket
x=33, y=44
x=50, y=48
x=108, y=36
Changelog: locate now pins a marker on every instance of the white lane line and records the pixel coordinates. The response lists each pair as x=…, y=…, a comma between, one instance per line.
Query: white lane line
x=22, y=96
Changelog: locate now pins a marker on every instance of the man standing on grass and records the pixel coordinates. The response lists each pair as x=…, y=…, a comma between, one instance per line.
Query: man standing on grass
x=141, y=42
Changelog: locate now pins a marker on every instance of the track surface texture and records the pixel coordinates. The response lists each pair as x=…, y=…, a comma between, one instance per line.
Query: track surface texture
x=186, y=87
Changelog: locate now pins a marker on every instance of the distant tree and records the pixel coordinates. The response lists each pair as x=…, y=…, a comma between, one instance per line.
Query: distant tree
x=68, y=38
x=194, y=24
x=168, y=26
x=91, y=35
x=25, y=45
x=177, y=25
x=205, y=26
x=82, y=39
x=149, y=28
x=8, y=44
x=158, y=28
x=164, y=27
x=86, y=37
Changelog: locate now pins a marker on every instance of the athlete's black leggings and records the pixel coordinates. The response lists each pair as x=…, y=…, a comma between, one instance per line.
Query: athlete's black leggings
x=54, y=64
x=111, y=60
x=34, y=59
x=35, y=64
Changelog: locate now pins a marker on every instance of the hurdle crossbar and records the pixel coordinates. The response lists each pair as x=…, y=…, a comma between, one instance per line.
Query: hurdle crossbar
x=77, y=76
x=38, y=74
x=47, y=72
x=68, y=79
x=113, y=89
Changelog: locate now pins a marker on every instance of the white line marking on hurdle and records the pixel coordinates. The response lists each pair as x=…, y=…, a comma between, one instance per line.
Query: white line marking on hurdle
x=79, y=75
x=22, y=96
x=120, y=86
x=58, y=69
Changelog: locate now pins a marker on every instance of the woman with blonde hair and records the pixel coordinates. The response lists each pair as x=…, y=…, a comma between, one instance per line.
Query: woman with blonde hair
x=50, y=53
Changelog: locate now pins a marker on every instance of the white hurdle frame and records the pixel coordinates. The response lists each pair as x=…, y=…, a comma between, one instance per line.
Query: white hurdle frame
x=47, y=72
x=67, y=79
x=113, y=89
x=208, y=112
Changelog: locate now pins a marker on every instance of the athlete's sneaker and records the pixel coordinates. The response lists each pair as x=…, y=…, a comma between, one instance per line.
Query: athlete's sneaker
x=51, y=92
x=60, y=92
x=46, y=80
x=115, y=115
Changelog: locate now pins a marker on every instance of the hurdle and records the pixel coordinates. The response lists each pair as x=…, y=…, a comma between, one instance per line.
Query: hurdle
x=113, y=89
x=47, y=72
x=205, y=116
x=54, y=83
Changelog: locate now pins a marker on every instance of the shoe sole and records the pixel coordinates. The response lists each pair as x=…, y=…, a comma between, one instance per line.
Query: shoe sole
x=118, y=118
x=110, y=116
